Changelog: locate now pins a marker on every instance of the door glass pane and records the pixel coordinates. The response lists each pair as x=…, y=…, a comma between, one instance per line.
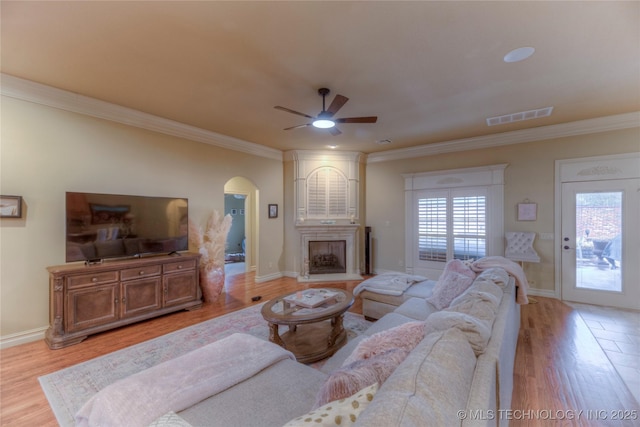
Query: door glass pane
x=599, y=241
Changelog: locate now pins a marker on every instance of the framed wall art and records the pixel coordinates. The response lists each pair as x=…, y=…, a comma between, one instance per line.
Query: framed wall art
x=10, y=206
x=273, y=211
x=527, y=211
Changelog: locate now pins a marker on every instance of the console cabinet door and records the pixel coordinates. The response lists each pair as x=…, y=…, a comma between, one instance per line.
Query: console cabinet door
x=140, y=296
x=180, y=288
x=91, y=306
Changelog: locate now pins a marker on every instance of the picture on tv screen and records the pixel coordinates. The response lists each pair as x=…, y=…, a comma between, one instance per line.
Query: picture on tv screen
x=102, y=226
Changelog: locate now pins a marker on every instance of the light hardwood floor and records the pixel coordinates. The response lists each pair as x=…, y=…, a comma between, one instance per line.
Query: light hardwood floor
x=559, y=365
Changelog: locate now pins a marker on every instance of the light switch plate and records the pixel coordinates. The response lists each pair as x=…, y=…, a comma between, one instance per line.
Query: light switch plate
x=546, y=236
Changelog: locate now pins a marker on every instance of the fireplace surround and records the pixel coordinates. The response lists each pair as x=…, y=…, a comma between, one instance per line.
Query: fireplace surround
x=331, y=235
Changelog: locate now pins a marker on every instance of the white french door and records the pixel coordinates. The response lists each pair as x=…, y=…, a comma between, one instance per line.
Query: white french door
x=600, y=239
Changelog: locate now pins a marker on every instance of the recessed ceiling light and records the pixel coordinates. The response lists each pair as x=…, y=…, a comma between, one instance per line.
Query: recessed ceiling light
x=519, y=54
x=333, y=147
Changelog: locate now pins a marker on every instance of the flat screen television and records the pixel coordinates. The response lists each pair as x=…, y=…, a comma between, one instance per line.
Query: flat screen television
x=100, y=226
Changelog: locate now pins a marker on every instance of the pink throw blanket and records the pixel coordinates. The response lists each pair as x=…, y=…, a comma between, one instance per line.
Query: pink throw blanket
x=510, y=267
x=180, y=383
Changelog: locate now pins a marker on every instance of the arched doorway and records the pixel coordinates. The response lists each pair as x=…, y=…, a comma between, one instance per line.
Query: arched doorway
x=241, y=197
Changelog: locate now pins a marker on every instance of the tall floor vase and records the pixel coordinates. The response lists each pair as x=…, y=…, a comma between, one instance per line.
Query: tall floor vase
x=211, y=283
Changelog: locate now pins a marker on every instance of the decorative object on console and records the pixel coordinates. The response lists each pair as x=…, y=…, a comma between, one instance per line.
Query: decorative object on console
x=10, y=207
x=211, y=244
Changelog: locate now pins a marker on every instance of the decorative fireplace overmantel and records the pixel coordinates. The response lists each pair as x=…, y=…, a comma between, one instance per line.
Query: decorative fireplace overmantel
x=327, y=209
x=329, y=232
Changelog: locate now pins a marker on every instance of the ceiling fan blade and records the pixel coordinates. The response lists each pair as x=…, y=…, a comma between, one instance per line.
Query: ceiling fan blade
x=334, y=131
x=369, y=119
x=288, y=110
x=336, y=104
x=297, y=127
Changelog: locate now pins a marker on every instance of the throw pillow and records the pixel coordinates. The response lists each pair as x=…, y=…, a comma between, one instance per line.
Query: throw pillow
x=342, y=412
x=453, y=281
x=405, y=336
x=349, y=379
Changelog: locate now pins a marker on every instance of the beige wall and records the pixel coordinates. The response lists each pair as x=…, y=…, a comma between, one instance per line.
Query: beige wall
x=530, y=175
x=46, y=152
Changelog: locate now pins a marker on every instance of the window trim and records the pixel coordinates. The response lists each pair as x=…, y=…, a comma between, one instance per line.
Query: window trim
x=490, y=178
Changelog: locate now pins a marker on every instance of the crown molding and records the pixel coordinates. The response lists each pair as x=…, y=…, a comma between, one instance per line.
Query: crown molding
x=38, y=93
x=26, y=90
x=581, y=127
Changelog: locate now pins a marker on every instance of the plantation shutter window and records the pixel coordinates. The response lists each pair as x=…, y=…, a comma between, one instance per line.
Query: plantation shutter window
x=469, y=226
x=451, y=226
x=432, y=228
x=455, y=214
x=327, y=194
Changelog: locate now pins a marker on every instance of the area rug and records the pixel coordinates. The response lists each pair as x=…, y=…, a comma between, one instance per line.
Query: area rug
x=68, y=389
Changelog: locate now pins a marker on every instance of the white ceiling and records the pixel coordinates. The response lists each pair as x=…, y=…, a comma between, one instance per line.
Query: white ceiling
x=430, y=71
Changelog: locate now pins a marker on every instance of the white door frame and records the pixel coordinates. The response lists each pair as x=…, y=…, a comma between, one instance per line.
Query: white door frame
x=619, y=166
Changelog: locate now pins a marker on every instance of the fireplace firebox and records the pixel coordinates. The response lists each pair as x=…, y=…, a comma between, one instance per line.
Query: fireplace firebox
x=327, y=256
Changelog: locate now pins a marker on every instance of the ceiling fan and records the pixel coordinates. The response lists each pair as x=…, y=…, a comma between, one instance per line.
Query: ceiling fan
x=325, y=119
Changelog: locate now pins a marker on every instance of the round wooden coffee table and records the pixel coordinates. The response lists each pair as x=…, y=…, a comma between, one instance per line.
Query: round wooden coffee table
x=315, y=332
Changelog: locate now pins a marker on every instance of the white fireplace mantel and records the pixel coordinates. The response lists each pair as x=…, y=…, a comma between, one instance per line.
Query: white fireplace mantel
x=331, y=232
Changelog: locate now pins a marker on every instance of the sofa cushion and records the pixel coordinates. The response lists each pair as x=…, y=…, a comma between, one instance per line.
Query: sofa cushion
x=428, y=388
x=357, y=375
x=416, y=308
x=170, y=419
x=476, y=331
x=485, y=285
x=388, y=321
x=495, y=274
x=422, y=289
x=342, y=412
x=405, y=337
x=389, y=283
x=292, y=385
x=481, y=305
x=455, y=279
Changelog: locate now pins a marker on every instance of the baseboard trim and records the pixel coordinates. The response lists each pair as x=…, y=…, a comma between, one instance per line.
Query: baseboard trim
x=32, y=335
x=268, y=277
x=542, y=293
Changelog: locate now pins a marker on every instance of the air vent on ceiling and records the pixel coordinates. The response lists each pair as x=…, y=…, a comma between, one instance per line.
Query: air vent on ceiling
x=518, y=117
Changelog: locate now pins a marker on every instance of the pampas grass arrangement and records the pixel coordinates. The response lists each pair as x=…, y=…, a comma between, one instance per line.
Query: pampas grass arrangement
x=211, y=244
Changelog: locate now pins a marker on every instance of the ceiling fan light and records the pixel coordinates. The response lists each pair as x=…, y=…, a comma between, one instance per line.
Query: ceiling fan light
x=324, y=123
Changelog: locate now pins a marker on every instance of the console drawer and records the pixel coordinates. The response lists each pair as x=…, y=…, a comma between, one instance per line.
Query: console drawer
x=92, y=279
x=136, y=273
x=180, y=266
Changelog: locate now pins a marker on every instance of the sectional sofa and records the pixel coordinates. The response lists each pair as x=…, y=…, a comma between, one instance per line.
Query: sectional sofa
x=456, y=370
